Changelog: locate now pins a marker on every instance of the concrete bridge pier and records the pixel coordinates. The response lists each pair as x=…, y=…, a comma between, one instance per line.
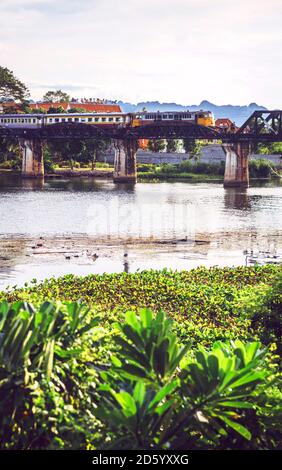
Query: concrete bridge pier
x=125, y=170
x=32, y=154
x=237, y=164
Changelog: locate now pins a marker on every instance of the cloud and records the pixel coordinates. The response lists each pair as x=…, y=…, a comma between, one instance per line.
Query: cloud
x=172, y=50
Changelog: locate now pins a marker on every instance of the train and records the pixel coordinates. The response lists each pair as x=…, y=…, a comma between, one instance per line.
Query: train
x=204, y=118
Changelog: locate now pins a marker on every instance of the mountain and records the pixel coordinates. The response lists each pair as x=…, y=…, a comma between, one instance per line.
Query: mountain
x=238, y=114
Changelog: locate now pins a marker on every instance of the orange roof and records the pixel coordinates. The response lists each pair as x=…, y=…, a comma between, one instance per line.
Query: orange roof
x=9, y=104
x=87, y=107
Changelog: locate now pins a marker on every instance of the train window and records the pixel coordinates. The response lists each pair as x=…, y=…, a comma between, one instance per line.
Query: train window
x=147, y=117
x=164, y=116
x=117, y=119
x=57, y=120
x=22, y=121
x=33, y=120
x=63, y=119
x=89, y=119
x=69, y=119
x=111, y=119
x=76, y=119
x=50, y=120
x=96, y=119
x=103, y=119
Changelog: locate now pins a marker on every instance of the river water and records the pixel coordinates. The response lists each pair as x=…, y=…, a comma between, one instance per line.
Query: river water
x=83, y=226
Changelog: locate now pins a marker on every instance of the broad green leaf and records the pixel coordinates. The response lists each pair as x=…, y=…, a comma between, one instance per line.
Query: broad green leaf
x=139, y=392
x=146, y=317
x=239, y=428
x=163, y=392
x=127, y=403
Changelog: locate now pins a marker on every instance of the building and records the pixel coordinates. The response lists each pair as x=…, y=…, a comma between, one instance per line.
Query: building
x=225, y=123
x=9, y=106
x=87, y=107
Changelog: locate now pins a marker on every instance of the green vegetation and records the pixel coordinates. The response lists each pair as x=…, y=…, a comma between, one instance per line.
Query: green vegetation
x=198, y=170
x=57, y=96
x=186, y=169
x=275, y=148
x=261, y=168
x=77, y=371
x=12, y=89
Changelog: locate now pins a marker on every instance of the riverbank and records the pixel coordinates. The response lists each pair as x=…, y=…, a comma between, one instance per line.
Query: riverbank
x=158, y=175
x=24, y=258
x=197, y=171
x=68, y=173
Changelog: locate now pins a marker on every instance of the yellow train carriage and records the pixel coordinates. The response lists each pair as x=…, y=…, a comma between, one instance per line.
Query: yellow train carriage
x=204, y=118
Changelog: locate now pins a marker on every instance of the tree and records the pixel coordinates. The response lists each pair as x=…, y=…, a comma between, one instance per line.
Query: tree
x=10, y=154
x=156, y=145
x=57, y=96
x=76, y=110
x=171, y=145
x=56, y=110
x=37, y=110
x=65, y=150
x=11, y=88
x=91, y=148
x=192, y=147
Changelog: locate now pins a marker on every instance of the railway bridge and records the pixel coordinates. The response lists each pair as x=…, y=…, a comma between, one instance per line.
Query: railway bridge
x=262, y=126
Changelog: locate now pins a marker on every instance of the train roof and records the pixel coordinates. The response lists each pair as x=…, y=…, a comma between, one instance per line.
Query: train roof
x=173, y=111
x=21, y=115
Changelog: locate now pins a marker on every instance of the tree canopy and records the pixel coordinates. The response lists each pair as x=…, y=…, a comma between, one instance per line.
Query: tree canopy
x=57, y=96
x=11, y=88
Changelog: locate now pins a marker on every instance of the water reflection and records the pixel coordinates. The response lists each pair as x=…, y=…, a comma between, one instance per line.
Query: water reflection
x=237, y=199
x=33, y=183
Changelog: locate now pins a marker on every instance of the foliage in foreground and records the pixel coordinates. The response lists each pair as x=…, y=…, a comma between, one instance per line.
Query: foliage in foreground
x=139, y=382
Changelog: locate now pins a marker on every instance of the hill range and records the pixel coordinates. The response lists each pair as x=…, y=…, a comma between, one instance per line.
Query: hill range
x=237, y=114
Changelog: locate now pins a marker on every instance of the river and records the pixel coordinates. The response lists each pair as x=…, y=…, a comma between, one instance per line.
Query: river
x=83, y=226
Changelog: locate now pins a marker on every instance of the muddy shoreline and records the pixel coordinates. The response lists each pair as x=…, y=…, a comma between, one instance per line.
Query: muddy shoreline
x=40, y=248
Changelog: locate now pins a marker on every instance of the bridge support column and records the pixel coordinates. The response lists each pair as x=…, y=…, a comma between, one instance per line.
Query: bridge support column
x=125, y=161
x=32, y=154
x=237, y=164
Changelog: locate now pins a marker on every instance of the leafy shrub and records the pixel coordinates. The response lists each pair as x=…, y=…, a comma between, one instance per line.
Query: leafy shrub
x=37, y=349
x=14, y=164
x=173, y=400
x=102, y=165
x=260, y=168
x=264, y=307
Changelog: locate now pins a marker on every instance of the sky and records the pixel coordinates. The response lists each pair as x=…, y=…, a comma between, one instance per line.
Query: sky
x=183, y=51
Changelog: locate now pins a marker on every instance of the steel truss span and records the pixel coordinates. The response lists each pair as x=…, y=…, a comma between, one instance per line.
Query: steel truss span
x=261, y=126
